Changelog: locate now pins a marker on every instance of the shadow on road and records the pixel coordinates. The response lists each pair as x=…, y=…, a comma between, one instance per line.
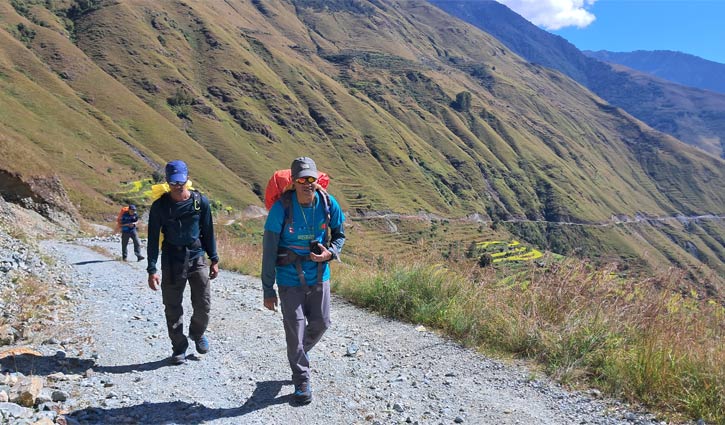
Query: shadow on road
x=29, y=364
x=83, y=263
x=139, y=367
x=180, y=412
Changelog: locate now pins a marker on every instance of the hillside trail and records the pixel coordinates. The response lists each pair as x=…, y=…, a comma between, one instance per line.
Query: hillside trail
x=616, y=220
x=366, y=370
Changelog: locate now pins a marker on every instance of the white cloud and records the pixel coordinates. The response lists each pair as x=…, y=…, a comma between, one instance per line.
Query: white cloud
x=553, y=14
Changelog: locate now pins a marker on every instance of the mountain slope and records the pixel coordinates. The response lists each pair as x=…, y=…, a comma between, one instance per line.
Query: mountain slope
x=694, y=116
x=80, y=123
x=407, y=108
x=678, y=67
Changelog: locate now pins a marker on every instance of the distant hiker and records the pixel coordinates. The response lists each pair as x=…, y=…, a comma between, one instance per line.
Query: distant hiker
x=296, y=251
x=127, y=220
x=184, y=217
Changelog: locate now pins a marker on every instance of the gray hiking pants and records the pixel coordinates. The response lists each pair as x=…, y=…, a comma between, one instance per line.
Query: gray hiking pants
x=125, y=236
x=306, y=316
x=173, y=283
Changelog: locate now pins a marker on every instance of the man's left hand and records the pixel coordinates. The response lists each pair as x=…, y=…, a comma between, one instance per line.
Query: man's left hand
x=325, y=255
x=213, y=270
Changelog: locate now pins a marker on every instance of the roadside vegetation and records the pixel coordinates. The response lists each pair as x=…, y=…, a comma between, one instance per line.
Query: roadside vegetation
x=20, y=302
x=640, y=339
x=29, y=304
x=240, y=247
x=649, y=340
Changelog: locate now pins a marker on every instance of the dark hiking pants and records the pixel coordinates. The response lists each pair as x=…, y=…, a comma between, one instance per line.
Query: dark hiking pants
x=173, y=283
x=125, y=236
x=306, y=316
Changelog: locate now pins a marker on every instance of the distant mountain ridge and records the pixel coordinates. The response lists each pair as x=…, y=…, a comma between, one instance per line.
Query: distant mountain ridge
x=678, y=67
x=692, y=115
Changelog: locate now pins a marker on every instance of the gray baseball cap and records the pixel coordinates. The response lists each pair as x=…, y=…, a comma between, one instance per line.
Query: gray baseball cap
x=303, y=167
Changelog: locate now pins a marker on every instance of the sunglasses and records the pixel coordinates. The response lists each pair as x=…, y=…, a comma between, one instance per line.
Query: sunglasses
x=303, y=180
x=177, y=183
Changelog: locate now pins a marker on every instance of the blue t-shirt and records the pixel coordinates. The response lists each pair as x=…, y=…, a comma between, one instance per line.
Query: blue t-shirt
x=307, y=224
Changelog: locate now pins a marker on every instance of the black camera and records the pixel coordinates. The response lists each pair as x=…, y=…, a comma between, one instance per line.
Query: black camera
x=315, y=247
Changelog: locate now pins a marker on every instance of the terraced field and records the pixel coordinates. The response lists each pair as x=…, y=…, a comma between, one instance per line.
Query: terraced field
x=501, y=251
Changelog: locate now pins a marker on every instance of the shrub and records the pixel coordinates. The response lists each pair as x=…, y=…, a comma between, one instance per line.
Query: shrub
x=24, y=33
x=180, y=97
x=462, y=102
x=485, y=260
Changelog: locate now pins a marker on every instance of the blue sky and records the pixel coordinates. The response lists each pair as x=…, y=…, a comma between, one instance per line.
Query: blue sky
x=690, y=26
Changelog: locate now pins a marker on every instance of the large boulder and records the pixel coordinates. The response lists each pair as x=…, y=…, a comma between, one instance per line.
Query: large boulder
x=43, y=194
x=26, y=391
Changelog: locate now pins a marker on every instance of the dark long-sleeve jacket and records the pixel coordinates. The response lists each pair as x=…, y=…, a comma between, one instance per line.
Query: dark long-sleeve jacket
x=186, y=225
x=128, y=222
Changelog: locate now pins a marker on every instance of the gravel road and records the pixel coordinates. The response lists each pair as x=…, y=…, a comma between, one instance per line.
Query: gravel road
x=110, y=357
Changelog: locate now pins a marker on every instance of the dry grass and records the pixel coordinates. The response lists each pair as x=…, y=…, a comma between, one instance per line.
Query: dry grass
x=31, y=293
x=26, y=304
x=643, y=340
x=238, y=255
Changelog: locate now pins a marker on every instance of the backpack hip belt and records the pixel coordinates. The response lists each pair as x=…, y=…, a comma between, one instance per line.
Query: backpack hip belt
x=287, y=256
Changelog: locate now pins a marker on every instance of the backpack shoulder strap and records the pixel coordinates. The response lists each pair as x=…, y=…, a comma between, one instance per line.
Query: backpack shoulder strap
x=196, y=195
x=325, y=199
x=163, y=207
x=286, y=200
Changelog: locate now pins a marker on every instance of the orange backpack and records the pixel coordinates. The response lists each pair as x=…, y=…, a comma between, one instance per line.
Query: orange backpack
x=120, y=215
x=281, y=182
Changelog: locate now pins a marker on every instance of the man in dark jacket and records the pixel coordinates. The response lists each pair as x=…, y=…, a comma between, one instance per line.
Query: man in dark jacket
x=128, y=231
x=184, y=217
x=296, y=254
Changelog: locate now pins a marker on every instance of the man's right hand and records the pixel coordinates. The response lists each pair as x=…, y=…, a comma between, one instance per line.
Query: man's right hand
x=154, y=281
x=271, y=303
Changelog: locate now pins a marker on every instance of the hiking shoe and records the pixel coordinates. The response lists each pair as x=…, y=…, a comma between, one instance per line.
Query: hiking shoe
x=202, y=345
x=123, y=259
x=178, y=358
x=303, y=393
x=140, y=257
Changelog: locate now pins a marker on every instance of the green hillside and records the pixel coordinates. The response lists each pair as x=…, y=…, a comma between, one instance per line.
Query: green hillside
x=406, y=108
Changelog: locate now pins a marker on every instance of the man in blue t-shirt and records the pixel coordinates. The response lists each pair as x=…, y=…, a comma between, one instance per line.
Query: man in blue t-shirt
x=128, y=222
x=296, y=252
x=184, y=216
